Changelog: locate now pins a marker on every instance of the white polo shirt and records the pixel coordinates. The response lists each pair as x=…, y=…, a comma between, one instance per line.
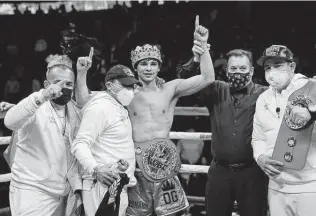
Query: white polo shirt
x=105, y=135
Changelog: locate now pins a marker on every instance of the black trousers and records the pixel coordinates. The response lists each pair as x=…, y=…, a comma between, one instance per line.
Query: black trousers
x=248, y=187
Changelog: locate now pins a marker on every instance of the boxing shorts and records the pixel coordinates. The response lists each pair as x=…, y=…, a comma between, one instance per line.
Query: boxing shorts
x=158, y=189
x=163, y=198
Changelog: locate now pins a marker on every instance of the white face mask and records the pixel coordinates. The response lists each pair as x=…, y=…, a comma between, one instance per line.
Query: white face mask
x=125, y=96
x=278, y=78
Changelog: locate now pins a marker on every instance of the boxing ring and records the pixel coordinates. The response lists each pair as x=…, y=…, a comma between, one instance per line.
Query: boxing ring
x=179, y=111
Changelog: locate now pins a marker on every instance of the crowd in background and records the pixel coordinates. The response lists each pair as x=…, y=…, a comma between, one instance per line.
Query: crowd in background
x=27, y=39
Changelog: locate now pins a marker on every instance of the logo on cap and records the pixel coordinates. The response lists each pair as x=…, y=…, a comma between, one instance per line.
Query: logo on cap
x=274, y=50
x=126, y=70
x=279, y=51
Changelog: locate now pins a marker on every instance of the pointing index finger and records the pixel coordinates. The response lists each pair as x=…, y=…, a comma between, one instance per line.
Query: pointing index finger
x=197, y=21
x=91, y=53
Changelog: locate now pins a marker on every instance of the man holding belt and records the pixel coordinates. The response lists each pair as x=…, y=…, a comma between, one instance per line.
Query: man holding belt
x=283, y=139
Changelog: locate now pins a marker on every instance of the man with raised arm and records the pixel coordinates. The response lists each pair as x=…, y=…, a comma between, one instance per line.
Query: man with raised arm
x=151, y=112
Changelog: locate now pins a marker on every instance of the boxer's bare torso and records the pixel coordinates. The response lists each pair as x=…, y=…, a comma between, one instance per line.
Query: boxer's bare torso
x=151, y=112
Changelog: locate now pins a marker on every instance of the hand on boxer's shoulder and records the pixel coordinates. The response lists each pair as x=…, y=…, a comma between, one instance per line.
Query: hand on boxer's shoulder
x=105, y=176
x=84, y=63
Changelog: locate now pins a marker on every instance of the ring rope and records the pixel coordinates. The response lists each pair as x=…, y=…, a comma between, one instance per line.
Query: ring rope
x=5, y=177
x=5, y=140
x=191, y=111
x=185, y=168
x=178, y=111
x=173, y=135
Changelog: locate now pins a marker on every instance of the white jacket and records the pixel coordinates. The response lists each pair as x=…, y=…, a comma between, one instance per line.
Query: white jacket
x=265, y=131
x=42, y=157
x=104, y=136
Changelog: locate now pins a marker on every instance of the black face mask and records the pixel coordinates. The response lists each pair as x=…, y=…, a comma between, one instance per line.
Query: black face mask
x=65, y=98
x=238, y=80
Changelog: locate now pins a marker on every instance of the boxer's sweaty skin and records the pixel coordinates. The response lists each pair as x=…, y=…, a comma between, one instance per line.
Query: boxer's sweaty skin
x=151, y=112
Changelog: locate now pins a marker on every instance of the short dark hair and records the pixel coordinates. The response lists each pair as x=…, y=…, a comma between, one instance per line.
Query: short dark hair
x=239, y=53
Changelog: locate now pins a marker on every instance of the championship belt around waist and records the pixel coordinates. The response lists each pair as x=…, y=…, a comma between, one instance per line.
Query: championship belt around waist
x=293, y=141
x=157, y=159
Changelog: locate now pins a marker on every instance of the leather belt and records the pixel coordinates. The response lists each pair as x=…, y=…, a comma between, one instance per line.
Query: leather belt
x=234, y=167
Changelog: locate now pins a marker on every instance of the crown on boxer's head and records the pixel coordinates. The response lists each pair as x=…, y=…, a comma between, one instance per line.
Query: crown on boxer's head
x=144, y=52
x=53, y=60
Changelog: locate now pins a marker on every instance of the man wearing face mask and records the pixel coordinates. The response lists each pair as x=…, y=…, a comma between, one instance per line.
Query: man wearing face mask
x=283, y=139
x=105, y=137
x=43, y=170
x=233, y=174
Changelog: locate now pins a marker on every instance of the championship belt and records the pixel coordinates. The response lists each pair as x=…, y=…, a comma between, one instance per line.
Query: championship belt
x=293, y=141
x=157, y=159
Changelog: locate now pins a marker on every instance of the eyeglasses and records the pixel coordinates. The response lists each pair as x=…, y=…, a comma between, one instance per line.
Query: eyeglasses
x=288, y=156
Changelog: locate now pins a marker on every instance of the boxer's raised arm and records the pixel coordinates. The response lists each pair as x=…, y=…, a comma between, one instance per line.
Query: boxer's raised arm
x=196, y=83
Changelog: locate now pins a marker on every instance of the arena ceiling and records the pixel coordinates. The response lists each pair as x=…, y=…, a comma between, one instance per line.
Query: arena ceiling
x=9, y=7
